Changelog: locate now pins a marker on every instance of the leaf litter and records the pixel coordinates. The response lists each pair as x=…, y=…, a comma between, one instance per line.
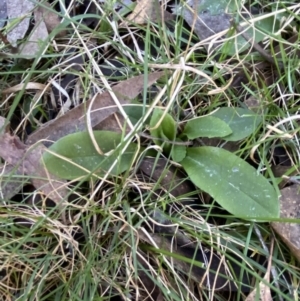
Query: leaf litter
x=290, y=209
x=18, y=9
x=49, y=131
x=27, y=158
x=101, y=106
x=46, y=21
x=3, y=13
x=10, y=186
x=147, y=10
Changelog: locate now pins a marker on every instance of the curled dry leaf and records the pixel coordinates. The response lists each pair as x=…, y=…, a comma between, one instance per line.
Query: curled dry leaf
x=205, y=23
x=290, y=208
x=102, y=106
x=18, y=9
x=50, y=18
x=36, y=40
x=12, y=180
x=142, y=11
x=45, y=22
x=27, y=86
x=28, y=161
x=114, y=123
x=146, y=10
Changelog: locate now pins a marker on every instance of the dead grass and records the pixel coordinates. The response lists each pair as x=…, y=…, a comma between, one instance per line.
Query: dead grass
x=128, y=237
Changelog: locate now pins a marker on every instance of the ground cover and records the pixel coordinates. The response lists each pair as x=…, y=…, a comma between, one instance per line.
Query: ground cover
x=150, y=150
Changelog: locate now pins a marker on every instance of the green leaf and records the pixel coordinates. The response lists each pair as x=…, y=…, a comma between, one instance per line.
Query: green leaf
x=232, y=182
x=207, y=126
x=214, y=16
x=178, y=152
x=78, y=149
x=243, y=122
x=261, y=29
x=166, y=130
x=167, y=125
x=135, y=112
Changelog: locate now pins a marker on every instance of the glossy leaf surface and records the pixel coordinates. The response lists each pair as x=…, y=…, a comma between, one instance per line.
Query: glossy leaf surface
x=164, y=129
x=232, y=182
x=178, y=151
x=207, y=126
x=80, y=158
x=243, y=122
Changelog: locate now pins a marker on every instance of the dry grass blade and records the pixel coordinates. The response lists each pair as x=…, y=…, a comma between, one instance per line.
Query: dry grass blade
x=152, y=291
x=10, y=186
x=264, y=293
x=169, y=178
x=51, y=19
x=27, y=160
x=18, y=9
x=28, y=86
x=146, y=10
x=142, y=11
x=33, y=45
x=207, y=269
x=101, y=106
x=149, y=233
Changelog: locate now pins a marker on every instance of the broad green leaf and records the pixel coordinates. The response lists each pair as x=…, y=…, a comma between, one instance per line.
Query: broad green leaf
x=167, y=147
x=135, y=112
x=232, y=182
x=156, y=131
x=243, y=122
x=178, y=152
x=78, y=149
x=165, y=131
x=207, y=126
x=167, y=126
